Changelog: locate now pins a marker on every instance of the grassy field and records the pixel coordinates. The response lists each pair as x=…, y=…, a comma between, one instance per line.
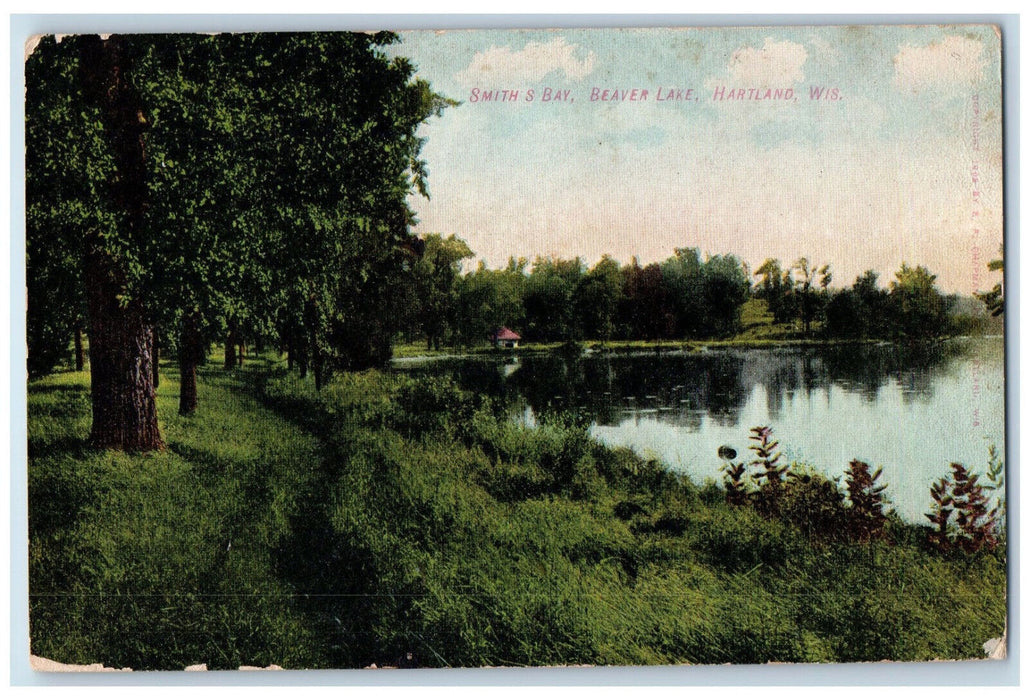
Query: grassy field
x=386, y=516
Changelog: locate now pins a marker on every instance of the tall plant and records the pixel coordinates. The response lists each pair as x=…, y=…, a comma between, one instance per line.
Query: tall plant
x=866, y=518
x=975, y=528
x=771, y=475
x=767, y=458
x=733, y=479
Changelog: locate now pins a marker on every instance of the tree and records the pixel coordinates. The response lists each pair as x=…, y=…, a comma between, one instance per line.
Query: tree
x=859, y=311
x=776, y=287
x=917, y=308
x=336, y=208
x=226, y=182
x=596, y=300
x=994, y=300
x=683, y=278
x=435, y=277
x=648, y=311
x=211, y=280
x=726, y=287
x=490, y=299
x=100, y=74
x=548, y=298
x=809, y=299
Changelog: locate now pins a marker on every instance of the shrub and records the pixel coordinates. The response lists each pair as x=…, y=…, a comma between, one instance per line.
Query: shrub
x=770, y=479
x=996, y=477
x=432, y=405
x=940, y=514
x=733, y=479
x=975, y=528
x=813, y=504
x=866, y=518
x=766, y=456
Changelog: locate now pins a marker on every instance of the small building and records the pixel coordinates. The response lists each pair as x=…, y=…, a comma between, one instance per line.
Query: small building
x=505, y=338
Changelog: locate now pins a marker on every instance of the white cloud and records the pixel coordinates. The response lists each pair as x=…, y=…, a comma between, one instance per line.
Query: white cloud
x=500, y=65
x=776, y=64
x=953, y=61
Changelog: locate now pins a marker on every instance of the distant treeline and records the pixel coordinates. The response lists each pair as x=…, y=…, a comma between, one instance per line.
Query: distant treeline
x=686, y=296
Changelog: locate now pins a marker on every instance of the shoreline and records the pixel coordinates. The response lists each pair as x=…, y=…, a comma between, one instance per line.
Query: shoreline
x=631, y=347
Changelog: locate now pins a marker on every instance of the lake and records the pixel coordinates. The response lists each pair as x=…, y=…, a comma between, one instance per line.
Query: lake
x=912, y=411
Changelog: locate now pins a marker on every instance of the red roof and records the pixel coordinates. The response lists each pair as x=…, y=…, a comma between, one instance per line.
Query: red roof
x=506, y=334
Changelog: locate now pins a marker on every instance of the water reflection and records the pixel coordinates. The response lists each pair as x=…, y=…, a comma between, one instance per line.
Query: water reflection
x=909, y=409
x=680, y=388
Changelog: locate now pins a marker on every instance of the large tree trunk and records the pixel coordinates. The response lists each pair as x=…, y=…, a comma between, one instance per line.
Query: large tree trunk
x=190, y=355
x=157, y=360
x=121, y=346
x=121, y=341
x=80, y=355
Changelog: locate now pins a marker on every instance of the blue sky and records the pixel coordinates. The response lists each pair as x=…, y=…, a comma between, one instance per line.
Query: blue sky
x=882, y=175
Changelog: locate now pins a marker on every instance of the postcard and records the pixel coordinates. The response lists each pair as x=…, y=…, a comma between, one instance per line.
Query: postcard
x=516, y=348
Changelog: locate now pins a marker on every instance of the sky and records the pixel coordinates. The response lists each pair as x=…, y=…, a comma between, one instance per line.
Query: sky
x=898, y=160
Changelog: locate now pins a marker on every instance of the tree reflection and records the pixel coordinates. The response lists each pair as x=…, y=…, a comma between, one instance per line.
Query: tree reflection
x=683, y=389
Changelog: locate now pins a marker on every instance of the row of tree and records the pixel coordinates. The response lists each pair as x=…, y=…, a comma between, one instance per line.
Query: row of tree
x=183, y=189
x=561, y=300
x=910, y=307
x=684, y=296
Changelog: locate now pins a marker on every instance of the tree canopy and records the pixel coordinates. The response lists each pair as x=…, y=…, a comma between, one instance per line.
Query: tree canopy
x=234, y=183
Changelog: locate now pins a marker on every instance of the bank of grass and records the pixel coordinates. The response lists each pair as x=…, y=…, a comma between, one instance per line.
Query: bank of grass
x=758, y=330
x=166, y=559
x=387, y=515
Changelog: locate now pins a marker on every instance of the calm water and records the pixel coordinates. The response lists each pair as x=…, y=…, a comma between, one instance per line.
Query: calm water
x=913, y=412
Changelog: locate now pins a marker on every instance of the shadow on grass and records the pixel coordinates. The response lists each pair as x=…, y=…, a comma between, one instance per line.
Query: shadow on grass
x=335, y=576
x=68, y=446
x=43, y=389
x=329, y=575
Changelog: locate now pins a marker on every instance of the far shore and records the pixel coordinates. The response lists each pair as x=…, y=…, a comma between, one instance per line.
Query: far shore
x=409, y=352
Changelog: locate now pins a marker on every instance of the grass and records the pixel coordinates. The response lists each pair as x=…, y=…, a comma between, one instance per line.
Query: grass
x=386, y=515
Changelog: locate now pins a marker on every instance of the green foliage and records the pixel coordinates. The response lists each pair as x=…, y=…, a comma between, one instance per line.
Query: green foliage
x=810, y=301
x=431, y=405
x=273, y=176
x=977, y=527
x=66, y=168
x=815, y=505
x=996, y=477
x=460, y=537
x=488, y=300
x=866, y=519
x=766, y=456
x=596, y=300
x=771, y=475
x=776, y=288
x=433, y=289
x=918, y=309
x=687, y=297
x=733, y=480
x=974, y=528
x=804, y=498
x=994, y=299
x=858, y=312
x=163, y=560
x=548, y=299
